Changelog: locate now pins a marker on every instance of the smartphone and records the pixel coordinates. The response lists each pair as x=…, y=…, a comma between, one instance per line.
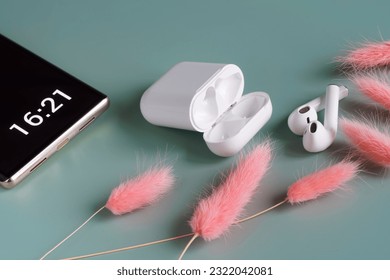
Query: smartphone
x=41, y=109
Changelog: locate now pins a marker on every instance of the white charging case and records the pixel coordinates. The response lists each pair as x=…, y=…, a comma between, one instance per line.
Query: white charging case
x=207, y=97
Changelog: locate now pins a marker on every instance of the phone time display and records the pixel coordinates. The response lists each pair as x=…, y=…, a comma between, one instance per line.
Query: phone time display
x=33, y=119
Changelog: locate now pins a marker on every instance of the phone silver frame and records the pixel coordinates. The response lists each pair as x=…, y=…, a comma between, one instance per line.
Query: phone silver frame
x=56, y=145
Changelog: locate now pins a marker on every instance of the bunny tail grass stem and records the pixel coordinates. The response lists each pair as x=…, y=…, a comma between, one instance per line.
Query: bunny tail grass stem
x=262, y=212
x=70, y=235
x=135, y=193
x=130, y=247
x=167, y=239
x=188, y=245
x=307, y=188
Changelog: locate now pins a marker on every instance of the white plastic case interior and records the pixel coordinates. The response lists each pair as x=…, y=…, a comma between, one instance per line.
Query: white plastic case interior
x=207, y=97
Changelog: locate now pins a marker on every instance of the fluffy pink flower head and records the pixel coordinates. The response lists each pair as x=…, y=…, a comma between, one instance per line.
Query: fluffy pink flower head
x=375, y=87
x=371, y=54
x=321, y=182
x=217, y=212
x=368, y=140
x=140, y=191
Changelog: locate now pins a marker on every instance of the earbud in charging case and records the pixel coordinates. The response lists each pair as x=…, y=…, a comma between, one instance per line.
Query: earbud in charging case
x=207, y=97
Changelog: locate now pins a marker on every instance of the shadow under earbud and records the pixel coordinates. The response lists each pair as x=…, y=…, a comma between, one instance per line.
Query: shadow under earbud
x=292, y=144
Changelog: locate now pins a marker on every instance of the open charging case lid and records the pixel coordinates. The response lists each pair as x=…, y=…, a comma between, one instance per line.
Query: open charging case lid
x=207, y=97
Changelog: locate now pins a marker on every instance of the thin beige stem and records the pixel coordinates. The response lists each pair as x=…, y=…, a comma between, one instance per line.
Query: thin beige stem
x=130, y=247
x=261, y=212
x=173, y=238
x=70, y=235
x=188, y=245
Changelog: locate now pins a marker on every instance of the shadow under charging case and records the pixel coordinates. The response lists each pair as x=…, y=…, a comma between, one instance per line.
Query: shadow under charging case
x=207, y=97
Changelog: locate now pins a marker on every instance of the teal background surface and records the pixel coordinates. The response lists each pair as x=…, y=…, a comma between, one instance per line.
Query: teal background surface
x=286, y=48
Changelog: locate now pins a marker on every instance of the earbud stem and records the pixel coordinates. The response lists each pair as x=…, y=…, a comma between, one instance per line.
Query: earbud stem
x=332, y=108
x=318, y=104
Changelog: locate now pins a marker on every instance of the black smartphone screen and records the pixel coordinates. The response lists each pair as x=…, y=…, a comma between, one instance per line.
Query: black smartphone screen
x=38, y=102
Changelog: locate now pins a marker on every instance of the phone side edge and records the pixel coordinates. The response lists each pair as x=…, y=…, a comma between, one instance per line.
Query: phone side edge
x=69, y=134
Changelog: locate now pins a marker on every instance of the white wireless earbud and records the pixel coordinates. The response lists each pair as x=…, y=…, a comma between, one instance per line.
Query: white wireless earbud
x=318, y=137
x=307, y=113
x=304, y=120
